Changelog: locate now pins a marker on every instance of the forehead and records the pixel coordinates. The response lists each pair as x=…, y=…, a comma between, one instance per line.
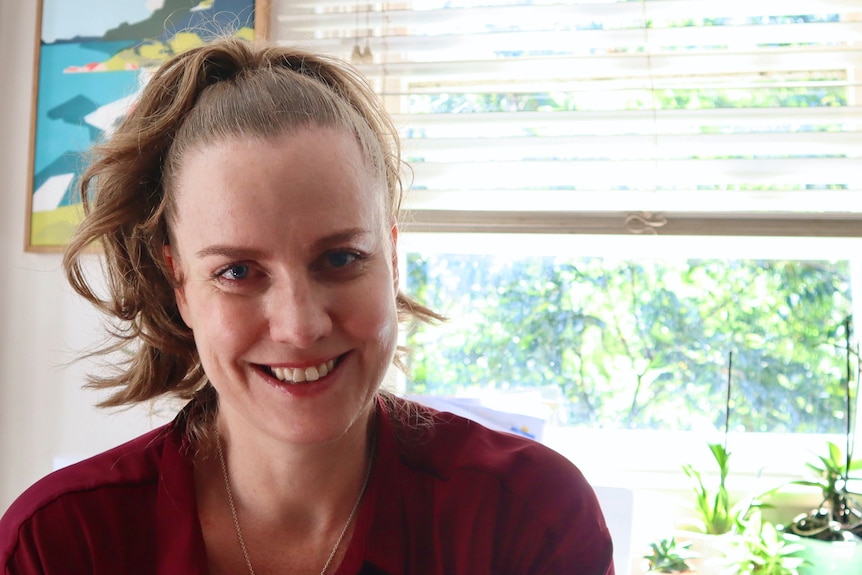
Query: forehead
x=244, y=188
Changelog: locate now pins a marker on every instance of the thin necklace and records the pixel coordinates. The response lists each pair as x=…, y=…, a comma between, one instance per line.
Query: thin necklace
x=236, y=519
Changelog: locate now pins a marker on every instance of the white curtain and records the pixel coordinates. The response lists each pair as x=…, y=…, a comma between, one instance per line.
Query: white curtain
x=717, y=117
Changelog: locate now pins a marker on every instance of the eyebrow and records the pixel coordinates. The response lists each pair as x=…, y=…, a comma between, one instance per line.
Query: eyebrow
x=341, y=237
x=242, y=253
x=230, y=252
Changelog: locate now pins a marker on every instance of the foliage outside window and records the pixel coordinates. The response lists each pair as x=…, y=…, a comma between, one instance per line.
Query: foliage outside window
x=640, y=344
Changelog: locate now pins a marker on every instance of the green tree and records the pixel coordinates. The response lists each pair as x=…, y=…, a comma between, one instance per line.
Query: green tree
x=640, y=344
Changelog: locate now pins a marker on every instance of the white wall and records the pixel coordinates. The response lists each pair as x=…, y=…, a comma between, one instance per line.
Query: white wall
x=44, y=413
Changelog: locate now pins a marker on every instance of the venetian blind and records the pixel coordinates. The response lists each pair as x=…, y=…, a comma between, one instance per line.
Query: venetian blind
x=720, y=117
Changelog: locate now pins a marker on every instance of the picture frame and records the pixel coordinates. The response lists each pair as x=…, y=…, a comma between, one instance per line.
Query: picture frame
x=91, y=58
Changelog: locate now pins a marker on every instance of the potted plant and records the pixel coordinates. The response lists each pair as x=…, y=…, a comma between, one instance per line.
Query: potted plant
x=714, y=510
x=721, y=521
x=761, y=549
x=669, y=556
x=839, y=513
x=832, y=532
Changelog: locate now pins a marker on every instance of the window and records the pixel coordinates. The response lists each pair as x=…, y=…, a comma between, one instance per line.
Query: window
x=623, y=343
x=655, y=152
x=636, y=342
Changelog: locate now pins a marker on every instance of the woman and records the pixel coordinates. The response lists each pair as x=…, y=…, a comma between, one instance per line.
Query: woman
x=247, y=213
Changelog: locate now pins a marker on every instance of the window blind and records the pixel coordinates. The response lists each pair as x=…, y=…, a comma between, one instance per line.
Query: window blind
x=648, y=116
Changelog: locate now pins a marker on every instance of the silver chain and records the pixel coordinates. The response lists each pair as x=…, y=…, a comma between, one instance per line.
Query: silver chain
x=233, y=513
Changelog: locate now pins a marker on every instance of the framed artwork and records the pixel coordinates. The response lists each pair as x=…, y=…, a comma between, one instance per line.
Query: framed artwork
x=92, y=58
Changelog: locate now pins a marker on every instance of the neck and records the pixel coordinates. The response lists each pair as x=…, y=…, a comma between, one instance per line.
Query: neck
x=309, y=497
x=286, y=485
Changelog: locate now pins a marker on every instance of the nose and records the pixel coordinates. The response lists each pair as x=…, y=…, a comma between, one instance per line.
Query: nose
x=298, y=313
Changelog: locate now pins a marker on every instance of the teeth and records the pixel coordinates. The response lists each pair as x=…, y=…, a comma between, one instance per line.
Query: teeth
x=299, y=375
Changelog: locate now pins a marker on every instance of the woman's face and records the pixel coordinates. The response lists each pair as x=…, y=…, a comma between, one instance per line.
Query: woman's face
x=287, y=261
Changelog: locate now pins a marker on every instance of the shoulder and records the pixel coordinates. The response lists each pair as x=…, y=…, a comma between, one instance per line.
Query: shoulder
x=455, y=449
x=507, y=503
x=133, y=462
x=60, y=504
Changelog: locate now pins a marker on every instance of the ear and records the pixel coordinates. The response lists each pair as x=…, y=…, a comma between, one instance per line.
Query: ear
x=394, y=239
x=179, y=292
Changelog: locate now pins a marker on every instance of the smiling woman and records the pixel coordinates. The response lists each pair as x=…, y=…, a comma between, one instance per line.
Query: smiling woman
x=247, y=210
x=305, y=256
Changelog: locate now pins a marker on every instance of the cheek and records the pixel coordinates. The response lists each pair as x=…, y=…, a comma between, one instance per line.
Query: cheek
x=220, y=326
x=375, y=318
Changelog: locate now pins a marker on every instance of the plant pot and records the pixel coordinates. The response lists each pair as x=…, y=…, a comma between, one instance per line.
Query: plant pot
x=711, y=551
x=829, y=557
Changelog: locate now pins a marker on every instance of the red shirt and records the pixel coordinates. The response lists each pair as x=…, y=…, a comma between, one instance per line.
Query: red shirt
x=457, y=499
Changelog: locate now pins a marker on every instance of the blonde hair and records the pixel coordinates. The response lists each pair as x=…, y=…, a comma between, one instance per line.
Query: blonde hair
x=228, y=88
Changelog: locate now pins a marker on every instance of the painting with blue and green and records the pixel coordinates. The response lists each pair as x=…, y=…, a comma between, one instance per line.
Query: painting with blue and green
x=94, y=58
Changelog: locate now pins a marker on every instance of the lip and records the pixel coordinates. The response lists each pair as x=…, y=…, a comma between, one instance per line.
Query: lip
x=305, y=388
x=305, y=364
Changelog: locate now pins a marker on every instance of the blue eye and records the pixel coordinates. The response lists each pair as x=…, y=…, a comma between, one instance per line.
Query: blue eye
x=235, y=272
x=340, y=259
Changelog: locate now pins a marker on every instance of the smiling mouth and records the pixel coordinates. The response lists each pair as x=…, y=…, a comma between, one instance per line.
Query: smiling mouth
x=301, y=374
